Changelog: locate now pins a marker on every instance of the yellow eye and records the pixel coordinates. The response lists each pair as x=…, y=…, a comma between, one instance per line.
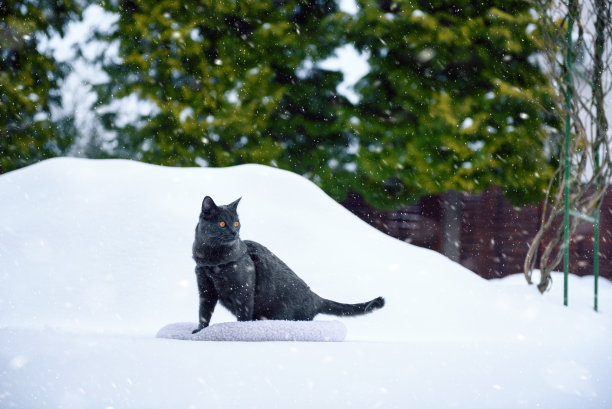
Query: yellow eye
x=221, y=224
x=236, y=224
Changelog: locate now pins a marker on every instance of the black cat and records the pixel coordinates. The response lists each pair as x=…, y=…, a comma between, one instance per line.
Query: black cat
x=250, y=281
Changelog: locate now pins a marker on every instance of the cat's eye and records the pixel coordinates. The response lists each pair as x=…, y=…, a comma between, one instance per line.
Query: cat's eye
x=236, y=224
x=221, y=224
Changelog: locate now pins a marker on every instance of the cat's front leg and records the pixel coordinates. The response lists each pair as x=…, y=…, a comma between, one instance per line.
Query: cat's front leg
x=208, y=298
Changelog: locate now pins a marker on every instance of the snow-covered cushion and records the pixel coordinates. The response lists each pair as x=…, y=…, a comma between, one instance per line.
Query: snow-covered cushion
x=257, y=331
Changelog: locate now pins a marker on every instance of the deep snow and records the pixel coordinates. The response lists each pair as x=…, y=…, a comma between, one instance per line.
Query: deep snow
x=95, y=258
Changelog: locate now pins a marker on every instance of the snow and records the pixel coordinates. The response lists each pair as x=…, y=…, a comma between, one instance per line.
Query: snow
x=95, y=259
x=353, y=65
x=258, y=331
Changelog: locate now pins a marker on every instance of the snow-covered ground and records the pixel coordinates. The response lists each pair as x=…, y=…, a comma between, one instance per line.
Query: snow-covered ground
x=95, y=258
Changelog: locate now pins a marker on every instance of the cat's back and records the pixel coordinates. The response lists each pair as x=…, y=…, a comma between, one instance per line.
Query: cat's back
x=266, y=262
x=261, y=255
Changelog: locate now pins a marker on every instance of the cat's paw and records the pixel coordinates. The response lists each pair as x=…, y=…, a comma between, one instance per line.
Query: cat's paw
x=198, y=329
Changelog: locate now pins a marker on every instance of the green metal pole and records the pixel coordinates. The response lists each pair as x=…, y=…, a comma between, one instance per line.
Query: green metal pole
x=568, y=102
x=596, y=259
x=602, y=127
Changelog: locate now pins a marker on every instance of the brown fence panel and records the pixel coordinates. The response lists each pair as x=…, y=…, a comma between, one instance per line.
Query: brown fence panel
x=494, y=234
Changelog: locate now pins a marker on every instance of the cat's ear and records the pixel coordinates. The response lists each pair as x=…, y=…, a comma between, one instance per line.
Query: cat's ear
x=234, y=205
x=209, y=208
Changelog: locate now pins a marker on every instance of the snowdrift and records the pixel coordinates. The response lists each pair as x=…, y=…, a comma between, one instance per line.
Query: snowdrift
x=95, y=258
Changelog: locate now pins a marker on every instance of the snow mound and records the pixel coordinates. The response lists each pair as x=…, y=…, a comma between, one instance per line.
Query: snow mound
x=258, y=331
x=105, y=246
x=95, y=257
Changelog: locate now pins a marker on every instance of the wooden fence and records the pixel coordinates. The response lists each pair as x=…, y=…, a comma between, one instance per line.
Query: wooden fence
x=494, y=235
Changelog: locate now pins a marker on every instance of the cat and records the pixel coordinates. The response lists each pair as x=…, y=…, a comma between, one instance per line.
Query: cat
x=248, y=279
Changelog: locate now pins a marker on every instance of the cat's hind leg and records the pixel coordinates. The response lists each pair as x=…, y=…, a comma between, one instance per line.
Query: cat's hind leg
x=244, y=304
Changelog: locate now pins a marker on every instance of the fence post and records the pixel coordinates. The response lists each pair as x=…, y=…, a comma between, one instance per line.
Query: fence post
x=568, y=102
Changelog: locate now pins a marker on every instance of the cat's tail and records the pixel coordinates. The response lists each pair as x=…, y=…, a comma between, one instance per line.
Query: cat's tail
x=346, y=310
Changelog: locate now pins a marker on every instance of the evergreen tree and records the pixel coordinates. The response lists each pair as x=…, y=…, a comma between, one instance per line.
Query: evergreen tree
x=28, y=82
x=454, y=100
x=234, y=82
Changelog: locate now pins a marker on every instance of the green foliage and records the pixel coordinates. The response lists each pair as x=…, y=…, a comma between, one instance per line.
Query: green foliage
x=454, y=100
x=228, y=81
x=28, y=83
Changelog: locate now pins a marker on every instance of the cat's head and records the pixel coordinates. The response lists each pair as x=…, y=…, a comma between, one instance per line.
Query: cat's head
x=219, y=223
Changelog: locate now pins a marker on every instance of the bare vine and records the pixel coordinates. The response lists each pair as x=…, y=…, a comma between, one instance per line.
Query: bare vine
x=589, y=149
